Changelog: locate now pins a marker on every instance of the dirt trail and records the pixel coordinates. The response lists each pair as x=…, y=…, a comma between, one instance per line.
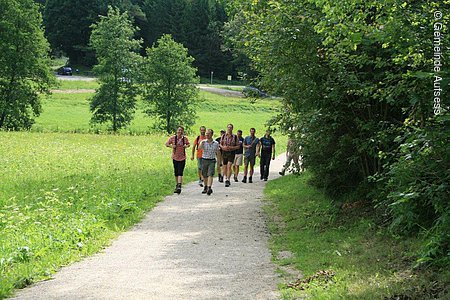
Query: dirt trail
x=191, y=246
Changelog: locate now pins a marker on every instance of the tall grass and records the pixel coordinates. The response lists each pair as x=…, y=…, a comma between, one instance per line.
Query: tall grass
x=367, y=263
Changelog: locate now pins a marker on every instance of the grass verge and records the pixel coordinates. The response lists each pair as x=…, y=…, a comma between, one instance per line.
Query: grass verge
x=329, y=253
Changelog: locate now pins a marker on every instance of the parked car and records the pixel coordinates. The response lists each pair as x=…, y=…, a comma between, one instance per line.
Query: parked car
x=251, y=91
x=65, y=71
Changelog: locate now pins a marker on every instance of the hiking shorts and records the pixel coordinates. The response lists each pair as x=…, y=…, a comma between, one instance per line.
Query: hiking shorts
x=238, y=160
x=249, y=160
x=228, y=157
x=178, y=167
x=199, y=163
x=208, y=167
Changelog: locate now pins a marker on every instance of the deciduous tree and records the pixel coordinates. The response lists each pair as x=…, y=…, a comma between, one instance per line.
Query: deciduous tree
x=113, y=40
x=24, y=63
x=170, y=79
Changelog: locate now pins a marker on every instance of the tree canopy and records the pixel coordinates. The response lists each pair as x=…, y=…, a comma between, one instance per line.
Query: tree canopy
x=358, y=94
x=24, y=63
x=170, y=79
x=116, y=50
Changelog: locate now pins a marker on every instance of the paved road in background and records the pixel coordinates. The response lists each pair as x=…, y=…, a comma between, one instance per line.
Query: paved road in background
x=215, y=90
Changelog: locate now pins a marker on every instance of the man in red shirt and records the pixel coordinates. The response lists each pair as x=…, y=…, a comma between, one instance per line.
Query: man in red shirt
x=229, y=143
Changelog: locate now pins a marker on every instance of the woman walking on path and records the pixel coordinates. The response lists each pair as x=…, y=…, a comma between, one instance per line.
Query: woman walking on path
x=209, y=148
x=267, y=145
x=178, y=143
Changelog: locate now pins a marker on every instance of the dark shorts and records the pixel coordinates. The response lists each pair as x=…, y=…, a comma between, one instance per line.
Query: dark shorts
x=178, y=167
x=228, y=157
x=208, y=167
x=249, y=160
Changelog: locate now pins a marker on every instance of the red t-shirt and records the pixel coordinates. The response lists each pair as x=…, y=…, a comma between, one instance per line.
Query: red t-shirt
x=179, y=153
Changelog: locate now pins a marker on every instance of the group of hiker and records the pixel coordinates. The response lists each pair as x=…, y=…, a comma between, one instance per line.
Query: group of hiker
x=225, y=154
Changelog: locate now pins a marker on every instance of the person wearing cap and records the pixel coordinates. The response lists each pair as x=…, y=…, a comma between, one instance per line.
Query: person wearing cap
x=219, y=157
x=229, y=143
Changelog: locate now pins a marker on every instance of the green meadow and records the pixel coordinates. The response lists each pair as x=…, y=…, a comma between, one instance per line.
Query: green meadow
x=65, y=192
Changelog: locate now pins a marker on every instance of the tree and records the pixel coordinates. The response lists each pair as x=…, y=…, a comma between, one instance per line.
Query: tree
x=170, y=79
x=67, y=27
x=24, y=64
x=355, y=80
x=113, y=42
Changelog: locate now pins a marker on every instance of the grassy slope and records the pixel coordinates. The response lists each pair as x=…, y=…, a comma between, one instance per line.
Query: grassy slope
x=64, y=195
x=367, y=262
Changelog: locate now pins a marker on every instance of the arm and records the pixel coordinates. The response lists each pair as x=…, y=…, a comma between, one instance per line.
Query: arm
x=196, y=145
x=186, y=145
x=273, y=151
x=170, y=144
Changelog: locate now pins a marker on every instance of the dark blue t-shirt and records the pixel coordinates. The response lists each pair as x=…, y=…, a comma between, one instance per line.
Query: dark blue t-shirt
x=266, y=144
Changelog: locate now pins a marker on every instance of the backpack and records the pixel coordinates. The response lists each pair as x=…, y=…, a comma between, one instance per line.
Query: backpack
x=176, y=144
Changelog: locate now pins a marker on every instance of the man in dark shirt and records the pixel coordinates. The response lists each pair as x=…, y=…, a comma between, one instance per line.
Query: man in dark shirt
x=267, y=146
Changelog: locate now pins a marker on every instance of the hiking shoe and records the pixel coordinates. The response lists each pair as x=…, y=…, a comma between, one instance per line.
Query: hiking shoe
x=250, y=180
x=209, y=191
x=220, y=178
x=227, y=183
x=244, y=180
x=200, y=182
x=265, y=179
x=262, y=177
x=205, y=190
x=281, y=173
x=235, y=179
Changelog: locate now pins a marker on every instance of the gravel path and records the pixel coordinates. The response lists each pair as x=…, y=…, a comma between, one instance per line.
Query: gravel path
x=191, y=246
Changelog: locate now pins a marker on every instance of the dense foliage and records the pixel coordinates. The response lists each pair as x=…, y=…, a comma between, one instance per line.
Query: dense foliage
x=24, y=64
x=170, y=90
x=197, y=24
x=358, y=94
x=112, y=39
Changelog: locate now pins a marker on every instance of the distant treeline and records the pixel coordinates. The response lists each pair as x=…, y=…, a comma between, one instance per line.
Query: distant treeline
x=197, y=24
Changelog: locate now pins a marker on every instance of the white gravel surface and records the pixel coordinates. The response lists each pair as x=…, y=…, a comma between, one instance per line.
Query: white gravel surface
x=191, y=246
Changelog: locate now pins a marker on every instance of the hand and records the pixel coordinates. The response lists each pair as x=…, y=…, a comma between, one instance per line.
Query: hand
x=192, y=157
x=273, y=157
